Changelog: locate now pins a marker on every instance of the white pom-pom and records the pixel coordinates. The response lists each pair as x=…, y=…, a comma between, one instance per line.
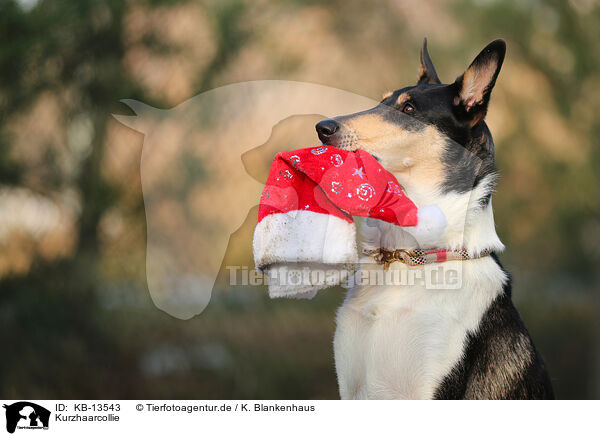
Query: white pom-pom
x=430, y=227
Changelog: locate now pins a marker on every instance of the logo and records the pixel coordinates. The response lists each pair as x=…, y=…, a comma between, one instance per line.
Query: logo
x=26, y=415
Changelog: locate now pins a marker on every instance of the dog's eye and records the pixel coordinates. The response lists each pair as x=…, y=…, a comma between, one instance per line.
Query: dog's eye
x=408, y=108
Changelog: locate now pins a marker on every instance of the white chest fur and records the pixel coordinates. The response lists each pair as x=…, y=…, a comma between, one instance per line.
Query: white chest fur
x=395, y=341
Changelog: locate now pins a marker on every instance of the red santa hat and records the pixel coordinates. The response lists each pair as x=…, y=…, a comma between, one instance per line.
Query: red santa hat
x=305, y=220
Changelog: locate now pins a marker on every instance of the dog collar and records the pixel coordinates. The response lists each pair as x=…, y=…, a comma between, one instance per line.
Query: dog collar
x=421, y=257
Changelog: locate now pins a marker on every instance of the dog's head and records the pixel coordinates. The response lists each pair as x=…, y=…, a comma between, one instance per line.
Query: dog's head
x=430, y=134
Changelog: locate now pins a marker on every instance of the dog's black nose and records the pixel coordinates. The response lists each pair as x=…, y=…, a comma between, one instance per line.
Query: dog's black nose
x=326, y=129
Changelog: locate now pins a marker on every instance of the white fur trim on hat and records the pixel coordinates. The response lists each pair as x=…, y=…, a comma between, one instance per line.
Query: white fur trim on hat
x=304, y=280
x=300, y=239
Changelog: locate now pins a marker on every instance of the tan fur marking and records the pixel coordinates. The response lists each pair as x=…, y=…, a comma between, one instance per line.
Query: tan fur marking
x=366, y=126
x=402, y=98
x=421, y=72
x=387, y=94
x=427, y=168
x=416, y=157
x=475, y=81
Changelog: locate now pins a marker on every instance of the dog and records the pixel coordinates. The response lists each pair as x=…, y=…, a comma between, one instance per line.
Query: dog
x=413, y=342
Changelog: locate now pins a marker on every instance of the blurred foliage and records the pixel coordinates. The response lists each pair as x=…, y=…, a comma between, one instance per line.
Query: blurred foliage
x=76, y=317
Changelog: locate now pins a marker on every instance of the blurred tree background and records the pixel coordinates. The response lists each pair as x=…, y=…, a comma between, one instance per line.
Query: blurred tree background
x=75, y=314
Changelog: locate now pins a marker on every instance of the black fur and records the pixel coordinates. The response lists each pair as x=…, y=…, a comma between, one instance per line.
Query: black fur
x=499, y=360
x=465, y=166
x=427, y=73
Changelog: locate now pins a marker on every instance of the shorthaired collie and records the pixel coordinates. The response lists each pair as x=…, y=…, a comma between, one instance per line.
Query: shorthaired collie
x=416, y=341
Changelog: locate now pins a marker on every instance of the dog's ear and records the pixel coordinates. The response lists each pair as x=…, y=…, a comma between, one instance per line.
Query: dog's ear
x=427, y=73
x=473, y=88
